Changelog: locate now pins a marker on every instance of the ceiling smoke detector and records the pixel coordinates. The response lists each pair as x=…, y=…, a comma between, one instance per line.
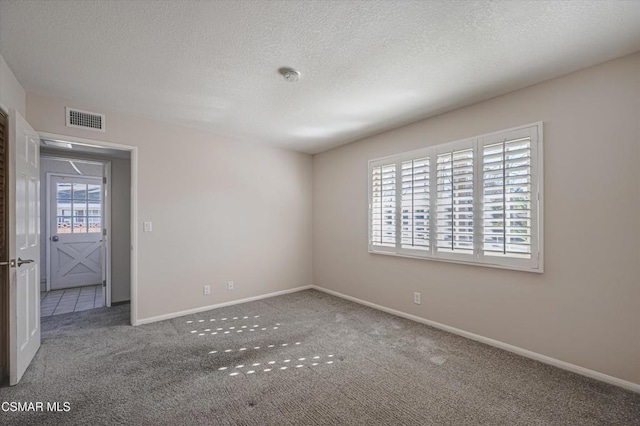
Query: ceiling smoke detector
x=290, y=75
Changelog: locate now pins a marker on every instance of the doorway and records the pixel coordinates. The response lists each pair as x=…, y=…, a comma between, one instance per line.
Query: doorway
x=75, y=210
x=86, y=227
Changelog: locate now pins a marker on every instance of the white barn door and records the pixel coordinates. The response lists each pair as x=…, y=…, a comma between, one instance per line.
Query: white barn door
x=24, y=245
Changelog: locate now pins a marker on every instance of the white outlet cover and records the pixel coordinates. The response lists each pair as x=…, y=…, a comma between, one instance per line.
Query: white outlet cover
x=416, y=298
x=148, y=226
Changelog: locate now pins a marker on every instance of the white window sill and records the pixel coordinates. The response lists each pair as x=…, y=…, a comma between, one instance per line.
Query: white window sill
x=485, y=264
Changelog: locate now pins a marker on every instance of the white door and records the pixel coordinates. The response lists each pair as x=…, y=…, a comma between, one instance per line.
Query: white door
x=24, y=246
x=76, y=231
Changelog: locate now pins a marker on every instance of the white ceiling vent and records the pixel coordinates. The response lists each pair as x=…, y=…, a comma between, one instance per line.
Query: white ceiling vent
x=85, y=120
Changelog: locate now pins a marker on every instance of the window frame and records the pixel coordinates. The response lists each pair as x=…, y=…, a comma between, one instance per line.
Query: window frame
x=533, y=264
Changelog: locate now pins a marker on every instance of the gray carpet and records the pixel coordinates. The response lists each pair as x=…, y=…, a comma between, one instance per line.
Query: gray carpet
x=331, y=362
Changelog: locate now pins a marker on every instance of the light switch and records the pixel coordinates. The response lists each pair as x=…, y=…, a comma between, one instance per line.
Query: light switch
x=148, y=227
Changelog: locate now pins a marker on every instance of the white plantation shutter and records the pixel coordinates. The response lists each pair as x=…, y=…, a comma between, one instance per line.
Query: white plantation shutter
x=510, y=197
x=507, y=198
x=415, y=204
x=383, y=205
x=454, y=217
x=475, y=201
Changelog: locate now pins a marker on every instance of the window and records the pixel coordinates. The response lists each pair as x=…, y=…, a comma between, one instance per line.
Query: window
x=476, y=201
x=79, y=208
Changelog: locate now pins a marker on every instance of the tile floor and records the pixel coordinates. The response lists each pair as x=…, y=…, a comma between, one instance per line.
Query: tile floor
x=70, y=300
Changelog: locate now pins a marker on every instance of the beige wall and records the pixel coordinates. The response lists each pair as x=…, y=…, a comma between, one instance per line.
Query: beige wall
x=584, y=309
x=12, y=94
x=221, y=209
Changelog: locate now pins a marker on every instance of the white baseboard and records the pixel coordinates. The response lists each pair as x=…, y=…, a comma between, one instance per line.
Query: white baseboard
x=219, y=305
x=634, y=387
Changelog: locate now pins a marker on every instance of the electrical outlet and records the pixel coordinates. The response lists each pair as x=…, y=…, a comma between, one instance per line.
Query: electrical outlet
x=148, y=226
x=207, y=290
x=230, y=285
x=416, y=298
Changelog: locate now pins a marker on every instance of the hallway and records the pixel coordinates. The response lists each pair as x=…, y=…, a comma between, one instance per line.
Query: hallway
x=70, y=300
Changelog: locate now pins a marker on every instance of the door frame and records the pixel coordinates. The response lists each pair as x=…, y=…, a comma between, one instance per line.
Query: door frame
x=106, y=218
x=5, y=334
x=133, y=150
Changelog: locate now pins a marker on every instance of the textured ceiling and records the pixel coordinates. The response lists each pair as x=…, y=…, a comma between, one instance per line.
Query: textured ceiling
x=366, y=66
